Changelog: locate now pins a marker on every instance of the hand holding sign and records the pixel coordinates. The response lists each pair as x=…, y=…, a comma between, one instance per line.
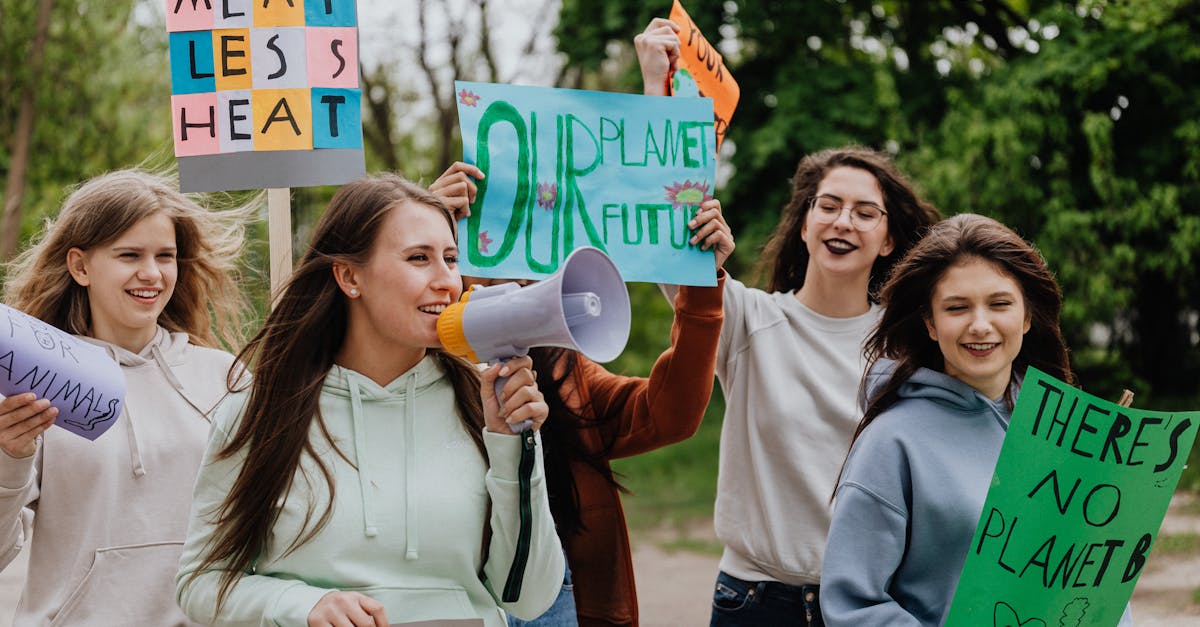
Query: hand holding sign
x=456, y=187
x=658, y=52
x=22, y=419
x=83, y=384
x=711, y=231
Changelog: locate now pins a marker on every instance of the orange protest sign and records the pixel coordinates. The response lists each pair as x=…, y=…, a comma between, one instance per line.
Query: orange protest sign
x=700, y=64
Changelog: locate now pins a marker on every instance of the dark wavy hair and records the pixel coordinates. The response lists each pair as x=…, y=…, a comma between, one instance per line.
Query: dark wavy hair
x=562, y=442
x=291, y=356
x=785, y=257
x=901, y=334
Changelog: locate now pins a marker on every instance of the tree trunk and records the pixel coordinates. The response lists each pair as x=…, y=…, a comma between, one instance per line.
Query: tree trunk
x=14, y=185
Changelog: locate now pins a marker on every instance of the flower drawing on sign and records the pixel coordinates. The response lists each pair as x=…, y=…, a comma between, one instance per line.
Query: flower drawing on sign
x=468, y=98
x=484, y=242
x=687, y=193
x=546, y=195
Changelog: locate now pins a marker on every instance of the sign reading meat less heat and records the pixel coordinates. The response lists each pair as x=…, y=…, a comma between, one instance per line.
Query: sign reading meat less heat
x=265, y=93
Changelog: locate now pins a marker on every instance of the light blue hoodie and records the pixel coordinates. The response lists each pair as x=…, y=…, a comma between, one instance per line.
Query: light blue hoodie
x=908, y=503
x=407, y=525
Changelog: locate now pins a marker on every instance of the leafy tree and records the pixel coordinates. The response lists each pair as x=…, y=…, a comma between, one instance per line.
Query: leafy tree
x=1090, y=148
x=1075, y=123
x=99, y=97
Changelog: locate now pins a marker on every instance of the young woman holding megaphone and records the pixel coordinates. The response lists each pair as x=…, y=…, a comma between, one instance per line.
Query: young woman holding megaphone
x=365, y=476
x=597, y=416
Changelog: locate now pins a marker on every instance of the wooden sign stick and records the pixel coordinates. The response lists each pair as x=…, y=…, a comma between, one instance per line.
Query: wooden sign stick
x=279, y=228
x=1126, y=398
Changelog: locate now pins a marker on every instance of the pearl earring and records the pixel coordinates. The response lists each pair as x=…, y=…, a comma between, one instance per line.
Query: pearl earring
x=353, y=291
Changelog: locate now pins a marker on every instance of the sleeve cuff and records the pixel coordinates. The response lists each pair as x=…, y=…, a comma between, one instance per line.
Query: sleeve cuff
x=504, y=454
x=701, y=301
x=15, y=472
x=295, y=603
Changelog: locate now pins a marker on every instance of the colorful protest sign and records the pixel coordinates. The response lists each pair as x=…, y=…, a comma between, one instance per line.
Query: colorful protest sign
x=265, y=94
x=566, y=168
x=80, y=379
x=701, y=71
x=1079, y=492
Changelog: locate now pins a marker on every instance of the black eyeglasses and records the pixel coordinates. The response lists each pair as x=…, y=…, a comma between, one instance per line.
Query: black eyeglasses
x=864, y=216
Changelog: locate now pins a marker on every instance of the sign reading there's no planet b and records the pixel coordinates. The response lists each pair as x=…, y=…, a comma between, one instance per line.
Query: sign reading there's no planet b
x=80, y=379
x=1078, y=495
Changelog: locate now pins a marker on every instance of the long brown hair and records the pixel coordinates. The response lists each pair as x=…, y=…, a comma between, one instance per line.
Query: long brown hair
x=901, y=334
x=785, y=257
x=207, y=303
x=562, y=441
x=291, y=356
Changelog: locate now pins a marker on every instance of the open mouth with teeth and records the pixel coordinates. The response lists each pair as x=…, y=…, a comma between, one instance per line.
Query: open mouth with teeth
x=981, y=349
x=839, y=246
x=433, y=309
x=144, y=295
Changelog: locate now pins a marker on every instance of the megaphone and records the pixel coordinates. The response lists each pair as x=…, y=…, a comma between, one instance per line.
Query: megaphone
x=584, y=306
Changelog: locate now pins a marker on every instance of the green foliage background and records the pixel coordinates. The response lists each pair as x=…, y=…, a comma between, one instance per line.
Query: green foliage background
x=1077, y=123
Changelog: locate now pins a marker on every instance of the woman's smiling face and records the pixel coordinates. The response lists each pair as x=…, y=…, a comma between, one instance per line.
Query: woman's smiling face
x=979, y=320
x=838, y=248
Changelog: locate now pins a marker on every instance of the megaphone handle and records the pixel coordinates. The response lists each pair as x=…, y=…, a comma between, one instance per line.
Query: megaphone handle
x=499, y=385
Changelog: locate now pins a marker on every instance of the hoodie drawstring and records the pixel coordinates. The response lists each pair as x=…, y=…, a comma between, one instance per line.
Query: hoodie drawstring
x=410, y=468
x=163, y=366
x=135, y=455
x=360, y=458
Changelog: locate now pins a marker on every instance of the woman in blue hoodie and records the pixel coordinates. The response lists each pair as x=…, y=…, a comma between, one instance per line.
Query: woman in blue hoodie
x=366, y=477
x=968, y=309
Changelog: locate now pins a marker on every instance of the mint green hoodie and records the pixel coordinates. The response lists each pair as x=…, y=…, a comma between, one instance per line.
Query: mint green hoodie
x=407, y=526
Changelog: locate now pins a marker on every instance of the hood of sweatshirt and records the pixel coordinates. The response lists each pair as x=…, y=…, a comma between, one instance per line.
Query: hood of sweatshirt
x=360, y=393
x=164, y=351
x=940, y=388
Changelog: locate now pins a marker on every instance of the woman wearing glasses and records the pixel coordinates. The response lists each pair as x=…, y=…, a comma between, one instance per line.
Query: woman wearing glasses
x=790, y=361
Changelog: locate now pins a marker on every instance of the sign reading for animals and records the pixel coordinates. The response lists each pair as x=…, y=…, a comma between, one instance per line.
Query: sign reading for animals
x=265, y=93
x=566, y=168
x=80, y=379
x=1079, y=492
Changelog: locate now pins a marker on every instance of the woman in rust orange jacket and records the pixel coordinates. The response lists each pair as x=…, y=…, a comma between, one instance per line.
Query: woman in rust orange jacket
x=597, y=416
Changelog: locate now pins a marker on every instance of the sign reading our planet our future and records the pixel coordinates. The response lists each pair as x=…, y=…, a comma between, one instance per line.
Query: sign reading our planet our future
x=566, y=168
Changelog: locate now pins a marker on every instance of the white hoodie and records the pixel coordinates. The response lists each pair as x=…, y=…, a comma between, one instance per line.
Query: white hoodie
x=111, y=514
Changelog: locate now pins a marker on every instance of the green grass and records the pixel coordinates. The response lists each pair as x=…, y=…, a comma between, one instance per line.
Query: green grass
x=1177, y=544
x=693, y=545
x=674, y=486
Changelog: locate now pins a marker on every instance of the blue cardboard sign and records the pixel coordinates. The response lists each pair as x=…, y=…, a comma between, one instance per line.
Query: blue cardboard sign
x=566, y=168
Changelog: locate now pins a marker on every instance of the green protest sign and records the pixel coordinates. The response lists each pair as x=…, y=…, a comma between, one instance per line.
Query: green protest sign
x=1080, y=489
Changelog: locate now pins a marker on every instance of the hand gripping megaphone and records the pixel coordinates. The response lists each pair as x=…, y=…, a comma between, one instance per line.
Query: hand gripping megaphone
x=584, y=306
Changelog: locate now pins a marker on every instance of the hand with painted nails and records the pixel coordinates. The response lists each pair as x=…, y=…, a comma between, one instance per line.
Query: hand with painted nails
x=456, y=188
x=23, y=418
x=520, y=399
x=710, y=230
x=658, y=52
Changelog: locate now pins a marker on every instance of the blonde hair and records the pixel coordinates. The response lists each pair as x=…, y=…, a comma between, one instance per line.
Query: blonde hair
x=207, y=303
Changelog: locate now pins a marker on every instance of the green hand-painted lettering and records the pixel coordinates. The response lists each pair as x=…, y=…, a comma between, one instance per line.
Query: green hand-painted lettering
x=575, y=200
x=499, y=112
x=534, y=264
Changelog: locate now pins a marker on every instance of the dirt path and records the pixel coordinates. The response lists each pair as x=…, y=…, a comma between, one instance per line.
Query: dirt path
x=675, y=588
